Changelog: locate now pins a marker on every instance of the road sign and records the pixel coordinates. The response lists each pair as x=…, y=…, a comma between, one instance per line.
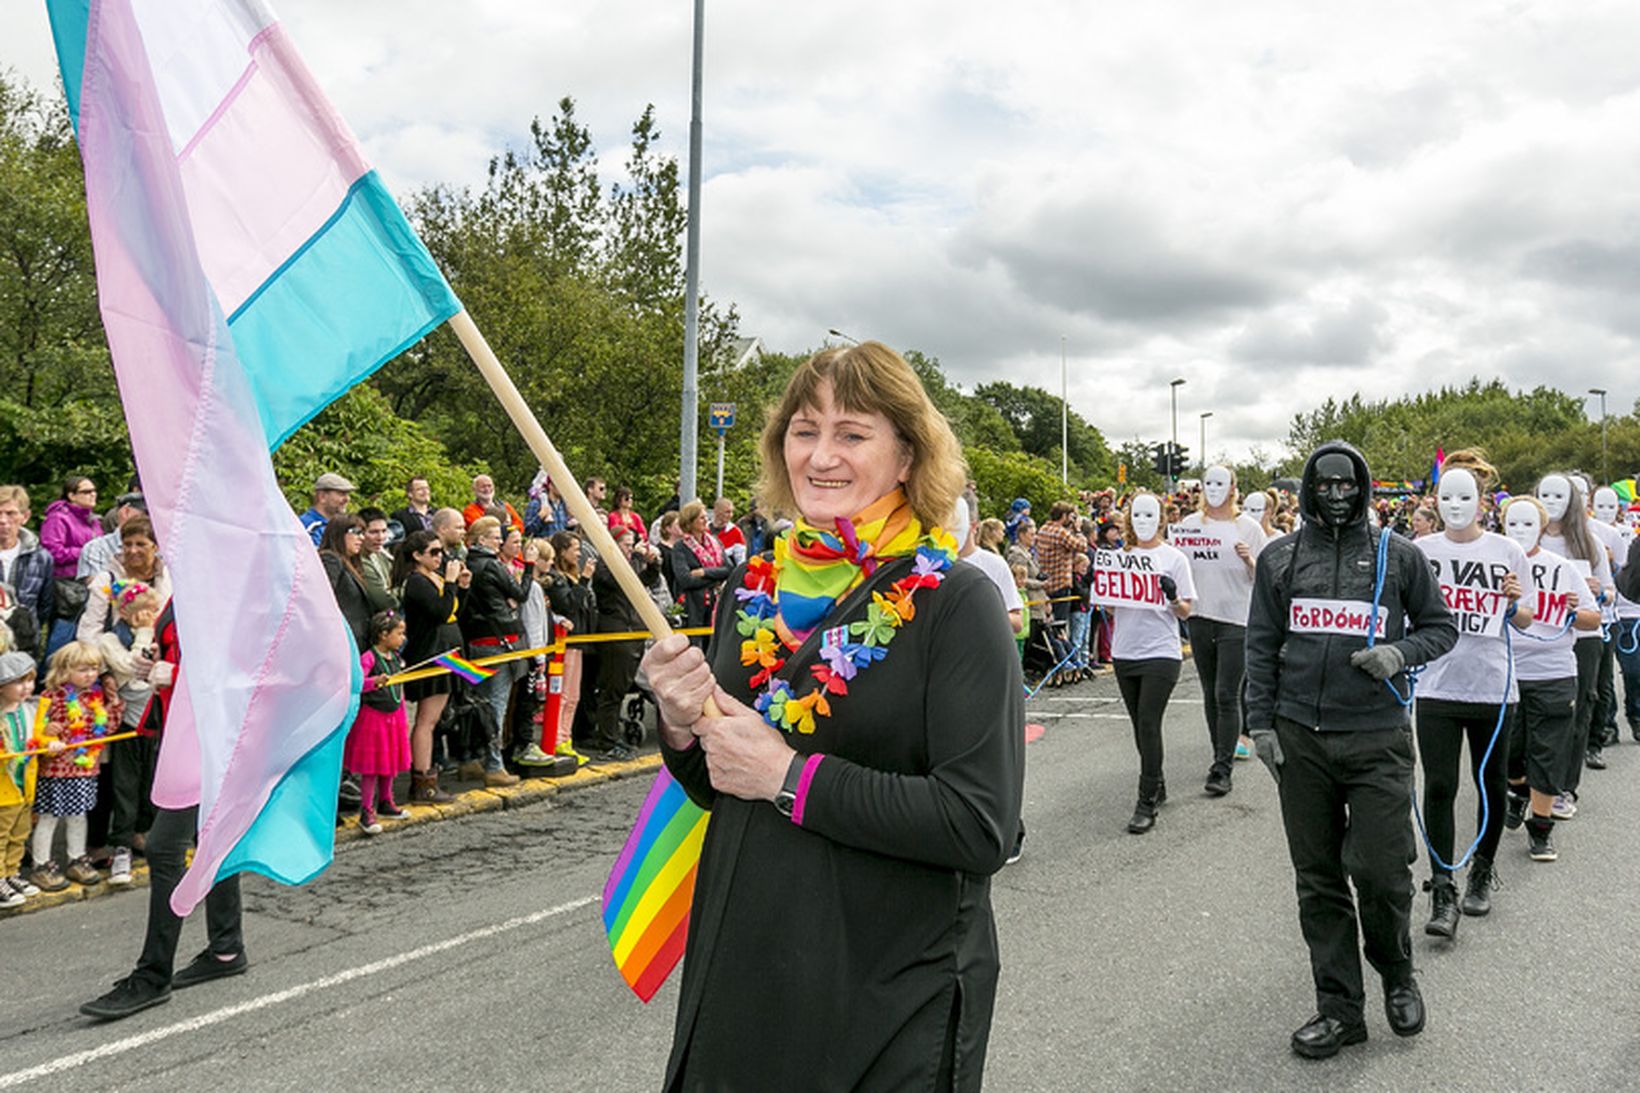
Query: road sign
x=721, y=417
x=1121, y=474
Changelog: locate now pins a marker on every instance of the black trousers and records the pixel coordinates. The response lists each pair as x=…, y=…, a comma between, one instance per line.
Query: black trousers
x=1346, y=806
x=1443, y=727
x=1540, y=735
x=168, y=842
x=1589, y=652
x=1146, y=685
x=1220, y=652
x=617, y=668
x=1605, y=690
x=131, y=783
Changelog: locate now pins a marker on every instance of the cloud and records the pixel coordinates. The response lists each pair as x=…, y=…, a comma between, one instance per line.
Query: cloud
x=1279, y=203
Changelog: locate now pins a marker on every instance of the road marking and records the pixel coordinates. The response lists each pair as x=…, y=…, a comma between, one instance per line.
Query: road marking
x=216, y=1017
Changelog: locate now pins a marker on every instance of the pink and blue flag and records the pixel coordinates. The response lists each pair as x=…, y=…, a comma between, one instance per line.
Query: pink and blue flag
x=251, y=267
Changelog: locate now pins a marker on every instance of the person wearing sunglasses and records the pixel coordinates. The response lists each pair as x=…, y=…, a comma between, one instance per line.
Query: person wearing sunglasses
x=428, y=586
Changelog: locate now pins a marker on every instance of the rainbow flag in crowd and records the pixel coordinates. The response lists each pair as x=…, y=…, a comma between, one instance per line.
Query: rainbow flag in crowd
x=251, y=267
x=461, y=666
x=649, y=891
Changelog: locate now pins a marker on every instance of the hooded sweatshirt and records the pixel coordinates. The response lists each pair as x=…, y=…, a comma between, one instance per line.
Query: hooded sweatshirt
x=1312, y=594
x=65, y=530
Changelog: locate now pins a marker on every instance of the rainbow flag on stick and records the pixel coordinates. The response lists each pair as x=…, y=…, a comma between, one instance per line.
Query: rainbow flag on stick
x=461, y=666
x=648, y=893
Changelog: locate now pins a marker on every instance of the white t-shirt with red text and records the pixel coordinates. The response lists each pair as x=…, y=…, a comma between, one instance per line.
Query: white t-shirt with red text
x=1471, y=577
x=1151, y=631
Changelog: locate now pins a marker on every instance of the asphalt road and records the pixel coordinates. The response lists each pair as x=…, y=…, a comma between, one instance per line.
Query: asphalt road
x=469, y=954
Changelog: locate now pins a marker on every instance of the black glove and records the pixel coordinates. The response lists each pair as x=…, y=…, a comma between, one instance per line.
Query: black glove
x=1268, y=748
x=1170, y=588
x=1379, y=662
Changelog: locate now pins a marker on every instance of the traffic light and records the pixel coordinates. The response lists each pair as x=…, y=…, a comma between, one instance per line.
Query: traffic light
x=1178, y=462
x=1159, y=459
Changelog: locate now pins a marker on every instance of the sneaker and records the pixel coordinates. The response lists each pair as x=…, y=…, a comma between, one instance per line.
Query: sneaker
x=21, y=883
x=1218, y=783
x=1564, y=808
x=615, y=753
x=120, y=872
x=1542, y=844
x=1244, y=751
x=206, y=967
x=348, y=796
x=9, y=896
x=1517, y=811
x=48, y=878
x=370, y=825
x=500, y=778
x=130, y=995
x=1019, y=846
x=1594, y=759
x=81, y=871
x=533, y=756
x=388, y=810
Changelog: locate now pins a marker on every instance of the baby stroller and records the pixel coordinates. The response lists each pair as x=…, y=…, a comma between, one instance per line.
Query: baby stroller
x=634, y=708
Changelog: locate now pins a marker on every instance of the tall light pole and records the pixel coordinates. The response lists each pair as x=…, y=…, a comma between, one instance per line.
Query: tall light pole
x=1605, y=476
x=1172, y=481
x=691, y=287
x=1064, y=417
x=1203, y=453
x=834, y=332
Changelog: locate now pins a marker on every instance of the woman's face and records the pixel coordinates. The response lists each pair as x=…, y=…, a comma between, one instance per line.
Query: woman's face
x=431, y=559
x=625, y=540
x=572, y=552
x=1026, y=536
x=838, y=462
x=84, y=494
x=491, y=540
x=512, y=545
x=137, y=554
x=698, y=526
x=1421, y=523
x=354, y=539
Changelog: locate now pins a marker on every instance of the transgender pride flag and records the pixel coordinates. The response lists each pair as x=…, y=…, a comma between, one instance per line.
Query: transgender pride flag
x=250, y=269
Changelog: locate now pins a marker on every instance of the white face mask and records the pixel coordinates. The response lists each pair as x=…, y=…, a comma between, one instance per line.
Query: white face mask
x=1522, y=524
x=959, y=527
x=1254, y=504
x=1458, y=498
x=1216, y=486
x=1583, y=488
x=1606, y=505
x=1147, y=517
x=1556, y=493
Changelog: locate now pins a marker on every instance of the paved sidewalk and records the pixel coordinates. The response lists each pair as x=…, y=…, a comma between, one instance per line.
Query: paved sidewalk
x=530, y=791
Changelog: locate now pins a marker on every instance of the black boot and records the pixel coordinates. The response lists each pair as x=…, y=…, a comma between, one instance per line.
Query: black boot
x=1443, y=908
x=1477, y=894
x=1144, y=816
x=1518, y=803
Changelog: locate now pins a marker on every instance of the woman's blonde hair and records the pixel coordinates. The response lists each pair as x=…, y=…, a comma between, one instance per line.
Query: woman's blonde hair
x=1474, y=461
x=76, y=654
x=543, y=552
x=1129, y=539
x=870, y=378
x=992, y=534
x=480, y=528
x=691, y=512
x=1235, y=495
x=1543, y=513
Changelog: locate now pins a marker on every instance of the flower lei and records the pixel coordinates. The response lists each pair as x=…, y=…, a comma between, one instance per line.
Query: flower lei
x=87, y=721
x=842, y=659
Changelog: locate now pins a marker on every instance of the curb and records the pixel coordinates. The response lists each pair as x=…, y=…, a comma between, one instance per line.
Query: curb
x=471, y=802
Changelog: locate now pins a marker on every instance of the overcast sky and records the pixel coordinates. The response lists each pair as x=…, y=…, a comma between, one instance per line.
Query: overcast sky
x=1275, y=201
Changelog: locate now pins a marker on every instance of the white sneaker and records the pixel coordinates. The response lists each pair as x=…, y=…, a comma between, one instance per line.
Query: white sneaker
x=120, y=871
x=20, y=883
x=9, y=896
x=371, y=828
x=1564, y=808
x=533, y=756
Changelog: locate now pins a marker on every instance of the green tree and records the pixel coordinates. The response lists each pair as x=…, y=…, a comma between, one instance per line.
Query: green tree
x=1035, y=417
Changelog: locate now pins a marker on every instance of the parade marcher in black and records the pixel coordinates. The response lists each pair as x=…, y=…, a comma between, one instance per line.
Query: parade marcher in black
x=1325, y=719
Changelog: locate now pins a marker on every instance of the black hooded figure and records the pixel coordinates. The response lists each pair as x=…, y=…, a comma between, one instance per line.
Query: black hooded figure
x=1339, y=742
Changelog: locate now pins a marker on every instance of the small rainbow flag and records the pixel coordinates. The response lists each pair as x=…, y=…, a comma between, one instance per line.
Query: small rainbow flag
x=647, y=896
x=461, y=666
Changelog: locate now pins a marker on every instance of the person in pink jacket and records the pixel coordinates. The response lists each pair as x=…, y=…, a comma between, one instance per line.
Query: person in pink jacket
x=70, y=523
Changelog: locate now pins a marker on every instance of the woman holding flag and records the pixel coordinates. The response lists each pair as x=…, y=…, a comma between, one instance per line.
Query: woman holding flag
x=865, y=779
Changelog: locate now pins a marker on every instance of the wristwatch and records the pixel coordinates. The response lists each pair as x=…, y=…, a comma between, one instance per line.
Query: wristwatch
x=786, y=800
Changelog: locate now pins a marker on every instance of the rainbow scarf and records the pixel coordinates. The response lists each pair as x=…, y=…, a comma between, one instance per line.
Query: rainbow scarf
x=817, y=567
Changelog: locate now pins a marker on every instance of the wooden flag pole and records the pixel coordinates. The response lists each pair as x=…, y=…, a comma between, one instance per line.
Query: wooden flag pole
x=574, y=496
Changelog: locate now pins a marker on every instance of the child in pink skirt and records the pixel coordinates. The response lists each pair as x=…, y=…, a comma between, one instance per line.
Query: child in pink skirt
x=378, y=746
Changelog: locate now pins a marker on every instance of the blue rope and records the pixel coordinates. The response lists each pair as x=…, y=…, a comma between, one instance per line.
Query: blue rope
x=1631, y=645
x=1412, y=685
x=1030, y=692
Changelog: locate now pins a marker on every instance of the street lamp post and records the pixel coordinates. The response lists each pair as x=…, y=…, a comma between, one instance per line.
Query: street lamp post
x=691, y=287
x=1202, y=455
x=834, y=332
x=1173, y=388
x=1605, y=475
x=1064, y=418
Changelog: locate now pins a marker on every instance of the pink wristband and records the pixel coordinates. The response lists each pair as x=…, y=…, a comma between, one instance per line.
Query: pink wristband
x=805, y=780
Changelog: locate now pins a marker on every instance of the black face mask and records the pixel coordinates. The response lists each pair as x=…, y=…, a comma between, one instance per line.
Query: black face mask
x=1334, y=490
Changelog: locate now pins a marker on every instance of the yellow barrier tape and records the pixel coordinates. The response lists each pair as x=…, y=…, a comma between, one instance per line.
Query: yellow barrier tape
x=521, y=654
